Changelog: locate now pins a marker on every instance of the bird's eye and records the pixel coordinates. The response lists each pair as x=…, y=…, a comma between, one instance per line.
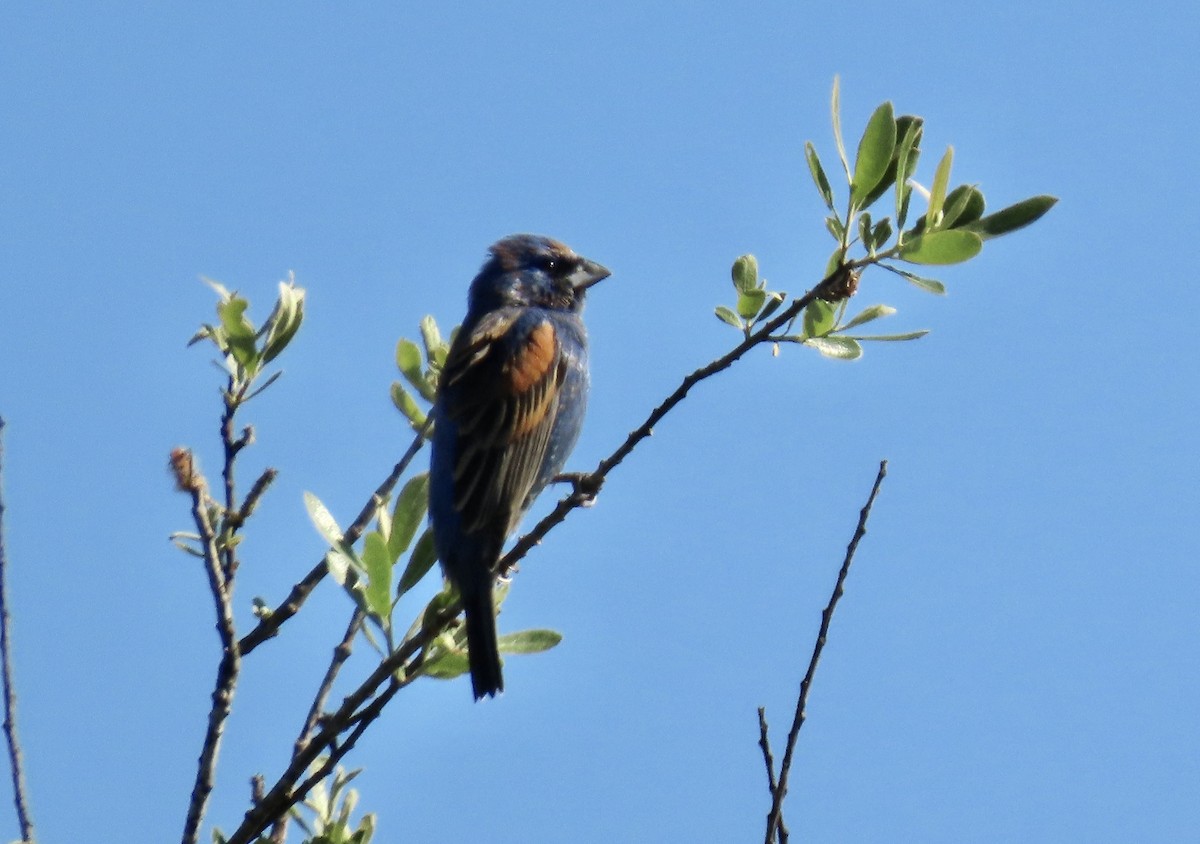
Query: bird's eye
x=558, y=265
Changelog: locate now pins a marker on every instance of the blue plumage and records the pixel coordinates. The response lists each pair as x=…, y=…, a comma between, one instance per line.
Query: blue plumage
x=509, y=410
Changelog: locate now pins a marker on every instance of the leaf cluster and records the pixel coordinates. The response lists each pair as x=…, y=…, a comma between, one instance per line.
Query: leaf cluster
x=951, y=230
x=421, y=367
x=327, y=812
x=246, y=349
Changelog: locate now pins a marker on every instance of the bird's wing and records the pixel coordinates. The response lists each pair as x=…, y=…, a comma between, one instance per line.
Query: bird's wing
x=505, y=379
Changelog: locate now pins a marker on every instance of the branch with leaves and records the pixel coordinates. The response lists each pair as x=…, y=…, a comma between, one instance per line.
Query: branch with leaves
x=245, y=351
x=383, y=553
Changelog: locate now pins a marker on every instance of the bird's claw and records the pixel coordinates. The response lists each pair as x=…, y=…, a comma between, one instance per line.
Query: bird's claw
x=585, y=486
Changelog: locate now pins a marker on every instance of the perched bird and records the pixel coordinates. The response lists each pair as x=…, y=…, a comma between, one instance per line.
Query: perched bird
x=509, y=408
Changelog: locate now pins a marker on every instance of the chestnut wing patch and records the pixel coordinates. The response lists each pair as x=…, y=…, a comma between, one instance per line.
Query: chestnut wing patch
x=507, y=402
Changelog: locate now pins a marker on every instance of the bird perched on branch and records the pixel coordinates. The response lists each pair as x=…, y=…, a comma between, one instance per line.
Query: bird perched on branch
x=509, y=410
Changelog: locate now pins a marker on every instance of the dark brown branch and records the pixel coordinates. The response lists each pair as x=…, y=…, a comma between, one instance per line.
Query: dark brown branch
x=232, y=445
x=15, y=759
x=269, y=625
x=341, y=653
x=769, y=760
x=358, y=710
x=775, y=816
x=227, y=671
x=255, y=495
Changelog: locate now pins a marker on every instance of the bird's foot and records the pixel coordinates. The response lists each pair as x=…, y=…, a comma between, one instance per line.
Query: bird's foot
x=585, y=486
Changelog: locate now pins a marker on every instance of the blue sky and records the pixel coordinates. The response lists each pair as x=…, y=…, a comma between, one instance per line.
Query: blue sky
x=1018, y=653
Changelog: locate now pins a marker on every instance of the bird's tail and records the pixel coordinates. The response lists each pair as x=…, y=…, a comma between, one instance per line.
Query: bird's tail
x=482, y=647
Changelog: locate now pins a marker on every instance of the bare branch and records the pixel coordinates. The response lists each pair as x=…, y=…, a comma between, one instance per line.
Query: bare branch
x=15, y=760
x=769, y=761
x=254, y=496
x=230, y=665
x=775, y=816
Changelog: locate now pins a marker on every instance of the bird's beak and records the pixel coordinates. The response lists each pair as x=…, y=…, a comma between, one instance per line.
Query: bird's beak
x=587, y=274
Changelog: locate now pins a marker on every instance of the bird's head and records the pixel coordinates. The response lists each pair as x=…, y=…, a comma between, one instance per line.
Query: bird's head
x=534, y=271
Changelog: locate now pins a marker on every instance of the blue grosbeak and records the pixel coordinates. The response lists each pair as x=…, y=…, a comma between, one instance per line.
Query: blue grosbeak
x=509, y=409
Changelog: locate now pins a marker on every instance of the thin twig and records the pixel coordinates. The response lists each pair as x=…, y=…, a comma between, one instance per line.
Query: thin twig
x=269, y=625
x=232, y=445
x=227, y=671
x=254, y=495
x=341, y=653
x=16, y=762
x=775, y=816
x=769, y=761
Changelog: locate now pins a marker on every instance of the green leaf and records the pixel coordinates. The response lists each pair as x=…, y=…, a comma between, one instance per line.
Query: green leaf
x=324, y=521
x=285, y=320
x=423, y=556
x=864, y=231
x=929, y=285
x=950, y=246
x=909, y=130
x=833, y=225
x=447, y=665
x=774, y=300
x=818, y=318
x=1013, y=217
x=407, y=515
x=889, y=177
x=911, y=335
x=882, y=233
x=907, y=154
x=875, y=151
x=937, y=193
x=834, y=262
x=238, y=331
x=727, y=315
x=835, y=108
x=431, y=336
x=408, y=360
x=868, y=314
x=378, y=591
x=343, y=565
x=407, y=405
x=963, y=205
x=209, y=332
x=436, y=348
x=818, y=174
x=528, y=641
x=745, y=273
x=222, y=292
x=841, y=348
x=437, y=607
x=750, y=302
